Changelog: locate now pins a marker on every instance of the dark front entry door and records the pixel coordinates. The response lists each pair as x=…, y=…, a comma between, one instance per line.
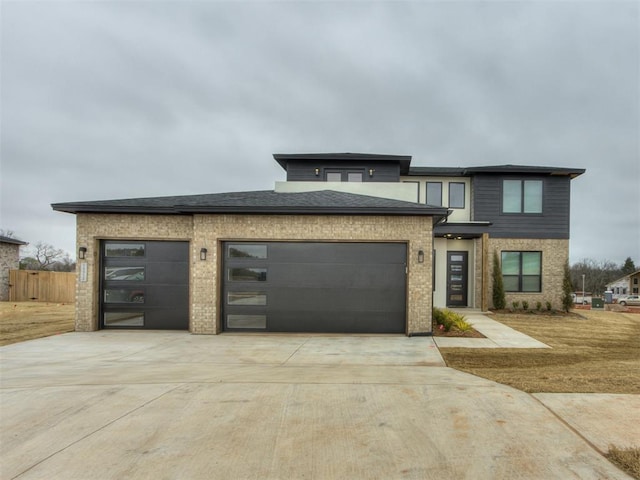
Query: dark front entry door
x=457, y=279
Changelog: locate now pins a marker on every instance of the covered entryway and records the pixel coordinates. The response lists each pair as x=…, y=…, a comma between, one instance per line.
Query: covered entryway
x=144, y=284
x=314, y=287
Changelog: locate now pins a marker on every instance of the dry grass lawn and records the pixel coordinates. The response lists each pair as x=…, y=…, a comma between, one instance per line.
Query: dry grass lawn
x=592, y=352
x=20, y=321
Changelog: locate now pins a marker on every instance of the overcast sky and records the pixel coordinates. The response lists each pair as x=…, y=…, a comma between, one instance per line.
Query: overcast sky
x=105, y=100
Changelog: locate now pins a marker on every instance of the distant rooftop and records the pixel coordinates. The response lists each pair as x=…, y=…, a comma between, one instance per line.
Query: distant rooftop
x=515, y=169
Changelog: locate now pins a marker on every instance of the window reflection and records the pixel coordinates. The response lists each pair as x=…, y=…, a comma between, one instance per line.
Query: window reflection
x=123, y=295
x=123, y=319
x=124, y=250
x=246, y=298
x=124, y=273
x=248, y=274
x=246, y=321
x=247, y=251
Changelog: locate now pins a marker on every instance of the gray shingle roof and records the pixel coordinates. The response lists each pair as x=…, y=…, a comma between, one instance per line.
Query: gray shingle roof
x=516, y=169
x=257, y=202
x=14, y=241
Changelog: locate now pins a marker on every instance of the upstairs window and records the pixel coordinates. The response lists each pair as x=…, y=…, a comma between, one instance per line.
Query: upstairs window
x=434, y=194
x=522, y=196
x=456, y=195
x=343, y=176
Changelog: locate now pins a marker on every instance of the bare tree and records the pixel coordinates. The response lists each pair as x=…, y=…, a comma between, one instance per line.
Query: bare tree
x=47, y=255
x=6, y=233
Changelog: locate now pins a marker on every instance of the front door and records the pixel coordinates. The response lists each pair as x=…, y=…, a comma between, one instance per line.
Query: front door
x=457, y=279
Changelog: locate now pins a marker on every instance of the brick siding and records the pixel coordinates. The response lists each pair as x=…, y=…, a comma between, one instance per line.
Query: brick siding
x=209, y=230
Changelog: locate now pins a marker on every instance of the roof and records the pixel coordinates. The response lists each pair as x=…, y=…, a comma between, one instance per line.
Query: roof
x=509, y=169
x=14, y=241
x=626, y=277
x=403, y=160
x=324, y=202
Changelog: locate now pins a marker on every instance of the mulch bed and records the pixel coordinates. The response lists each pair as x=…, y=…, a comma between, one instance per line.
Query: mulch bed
x=473, y=333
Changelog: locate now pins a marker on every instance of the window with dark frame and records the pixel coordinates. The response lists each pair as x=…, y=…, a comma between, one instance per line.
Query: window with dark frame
x=344, y=175
x=456, y=195
x=522, y=196
x=434, y=194
x=522, y=271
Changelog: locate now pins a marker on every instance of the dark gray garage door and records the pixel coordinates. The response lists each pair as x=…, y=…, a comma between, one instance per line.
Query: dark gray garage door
x=144, y=285
x=315, y=287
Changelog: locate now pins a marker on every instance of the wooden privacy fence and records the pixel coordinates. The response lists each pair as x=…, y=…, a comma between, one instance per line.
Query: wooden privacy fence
x=42, y=286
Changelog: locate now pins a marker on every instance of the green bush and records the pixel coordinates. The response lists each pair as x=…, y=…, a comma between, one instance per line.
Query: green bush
x=515, y=305
x=538, y=306
x=549, y=306
x=449, y=320
x=499, y=301
x=525, y=305
x=567, y=288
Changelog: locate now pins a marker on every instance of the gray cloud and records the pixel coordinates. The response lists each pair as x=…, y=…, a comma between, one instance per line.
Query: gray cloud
x=125, y=99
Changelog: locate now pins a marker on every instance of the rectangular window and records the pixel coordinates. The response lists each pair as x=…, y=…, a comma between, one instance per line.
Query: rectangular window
x=522, y=196
x=247, y=251
x=135, y=274
x=123, y=295
x=124, y=250
x=246, y=298
x=248, y=274
x=456, y=195
x=522, y=271
x=123, y=319
x=434, y=194
x=334, y=177
x=246, y=321
x=354, y=177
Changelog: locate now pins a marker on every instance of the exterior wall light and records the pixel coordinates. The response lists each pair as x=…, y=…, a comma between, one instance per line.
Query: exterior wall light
x=420, y=256
x=371, y=170
x=317, y=172
x=82, y=253
x=203, y=253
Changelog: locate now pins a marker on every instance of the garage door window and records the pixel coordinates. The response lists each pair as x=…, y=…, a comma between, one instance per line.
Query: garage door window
x=248, y=274
x=124, y=273
x=246, y=321
x=124, y=250
x=123, y=295
x=247, y=251
x=123, y=319
x=247, y=298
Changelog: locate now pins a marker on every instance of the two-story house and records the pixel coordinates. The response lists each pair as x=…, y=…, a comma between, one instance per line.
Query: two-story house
x=356, y=243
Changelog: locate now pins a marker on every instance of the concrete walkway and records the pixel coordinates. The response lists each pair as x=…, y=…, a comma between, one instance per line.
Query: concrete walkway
x=498, y=335
x=167, y=405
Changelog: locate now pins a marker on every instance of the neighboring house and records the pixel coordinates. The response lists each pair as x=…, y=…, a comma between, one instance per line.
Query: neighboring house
x=9, y=260
x=627, y=285
x=356, y=243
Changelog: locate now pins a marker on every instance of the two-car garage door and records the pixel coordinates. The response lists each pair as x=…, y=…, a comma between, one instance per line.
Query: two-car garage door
x=314, y=287
x=268, y=286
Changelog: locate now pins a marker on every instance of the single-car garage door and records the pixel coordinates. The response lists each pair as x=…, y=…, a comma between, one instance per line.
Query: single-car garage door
x=315, y=287
x=144, y=284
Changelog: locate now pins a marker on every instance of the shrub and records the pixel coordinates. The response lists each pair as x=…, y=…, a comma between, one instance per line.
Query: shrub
x=449, y=320
x=499, y=301
x=515, y=305
x=525, y=305
x=549, y=306
x=538, y=306
x=567, y=288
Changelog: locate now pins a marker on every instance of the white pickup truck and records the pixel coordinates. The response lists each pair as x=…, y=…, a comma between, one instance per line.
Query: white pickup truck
x=583, y=298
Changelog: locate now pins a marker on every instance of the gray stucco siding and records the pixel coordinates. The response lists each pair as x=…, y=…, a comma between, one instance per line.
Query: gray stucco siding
x=553, y=222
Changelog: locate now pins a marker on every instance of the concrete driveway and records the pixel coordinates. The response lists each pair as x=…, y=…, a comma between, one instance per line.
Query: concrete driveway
x=169, y=405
